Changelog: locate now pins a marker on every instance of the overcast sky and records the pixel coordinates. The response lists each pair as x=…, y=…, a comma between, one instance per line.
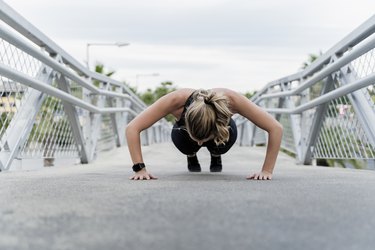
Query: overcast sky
x=238, y=44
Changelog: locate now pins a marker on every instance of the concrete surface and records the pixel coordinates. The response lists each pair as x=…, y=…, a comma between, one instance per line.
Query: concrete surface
x=96, y=206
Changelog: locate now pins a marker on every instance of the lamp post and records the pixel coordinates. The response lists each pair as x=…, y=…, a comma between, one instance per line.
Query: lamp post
x=140, y=75
x=88, y=45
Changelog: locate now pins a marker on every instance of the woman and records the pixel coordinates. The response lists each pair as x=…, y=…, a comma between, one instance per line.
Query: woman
x=204, y=119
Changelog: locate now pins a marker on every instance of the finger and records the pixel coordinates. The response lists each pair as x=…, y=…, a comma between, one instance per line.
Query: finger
x=141, y=177
x=250, y=177
x=131, y=178
x=264, y=177
x=148, y=177
x=153, y=177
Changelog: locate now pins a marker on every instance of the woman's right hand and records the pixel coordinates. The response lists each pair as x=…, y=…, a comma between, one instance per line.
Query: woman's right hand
x=142, y=175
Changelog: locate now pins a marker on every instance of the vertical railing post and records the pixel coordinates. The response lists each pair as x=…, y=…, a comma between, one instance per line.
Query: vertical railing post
x=295, y=120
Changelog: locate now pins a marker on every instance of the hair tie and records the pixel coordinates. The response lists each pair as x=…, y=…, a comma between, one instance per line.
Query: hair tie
x=207, y=102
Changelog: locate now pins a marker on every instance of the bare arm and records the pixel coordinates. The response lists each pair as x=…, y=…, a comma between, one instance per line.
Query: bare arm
x=162, y=107
x=265, y=121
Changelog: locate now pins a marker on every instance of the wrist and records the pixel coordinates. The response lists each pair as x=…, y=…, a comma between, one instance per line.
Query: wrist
x=138, y=167
x=267, y=171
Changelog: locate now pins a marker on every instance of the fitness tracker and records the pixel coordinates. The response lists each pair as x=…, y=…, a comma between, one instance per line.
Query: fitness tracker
x=138, y=167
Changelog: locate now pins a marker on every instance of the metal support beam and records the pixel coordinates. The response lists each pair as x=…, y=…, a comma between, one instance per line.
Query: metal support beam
x=21, y=125
x=295, y=120
x=343, y=90
x=318, y=119
x=72, y=115
x=41, y=86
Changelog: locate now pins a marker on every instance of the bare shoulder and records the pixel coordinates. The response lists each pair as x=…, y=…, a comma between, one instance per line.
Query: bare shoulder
x=179, y=96
x=234, y=98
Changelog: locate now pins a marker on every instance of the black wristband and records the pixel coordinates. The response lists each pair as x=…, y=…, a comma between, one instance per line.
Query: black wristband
x=138, y=167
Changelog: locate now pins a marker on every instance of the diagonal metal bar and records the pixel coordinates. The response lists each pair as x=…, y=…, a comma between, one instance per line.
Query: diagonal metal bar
x=344, y=60
x=21, y=125
x=39, y=85
x=74, y=121
x=344, y=90
x=315, y=126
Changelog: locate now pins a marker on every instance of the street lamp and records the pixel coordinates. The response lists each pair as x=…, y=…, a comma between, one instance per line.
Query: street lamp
x=140, y=75
x=117, y=44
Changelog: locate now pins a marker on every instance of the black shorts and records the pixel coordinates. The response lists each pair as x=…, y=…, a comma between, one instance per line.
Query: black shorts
x=188, y=146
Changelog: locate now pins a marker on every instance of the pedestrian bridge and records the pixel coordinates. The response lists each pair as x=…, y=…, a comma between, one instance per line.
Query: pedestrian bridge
x=56, y=112
x=96, y=206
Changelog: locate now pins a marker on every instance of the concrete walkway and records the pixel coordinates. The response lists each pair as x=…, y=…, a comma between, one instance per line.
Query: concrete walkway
x=96, y=206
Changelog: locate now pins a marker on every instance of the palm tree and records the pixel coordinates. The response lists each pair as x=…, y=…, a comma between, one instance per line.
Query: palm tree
x=99, y=68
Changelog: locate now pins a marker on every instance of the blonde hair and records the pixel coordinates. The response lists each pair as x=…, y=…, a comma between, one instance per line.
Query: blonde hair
x=207, y=116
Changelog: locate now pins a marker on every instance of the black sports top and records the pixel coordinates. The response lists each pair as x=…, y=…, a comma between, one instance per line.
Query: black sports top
x=181, y=121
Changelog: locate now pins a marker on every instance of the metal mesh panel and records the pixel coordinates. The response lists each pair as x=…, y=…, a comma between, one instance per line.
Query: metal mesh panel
x=13, y=94
x=106, y=140
x=51, y=135
x=342, y=136
x=362, y=67
x=19, y=60
x=287, y=140
x=365, y=64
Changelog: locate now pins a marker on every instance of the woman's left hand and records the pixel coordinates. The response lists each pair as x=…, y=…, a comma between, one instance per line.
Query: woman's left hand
x=264, y=175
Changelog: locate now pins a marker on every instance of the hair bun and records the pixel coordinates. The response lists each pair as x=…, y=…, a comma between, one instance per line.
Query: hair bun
x=209, y=98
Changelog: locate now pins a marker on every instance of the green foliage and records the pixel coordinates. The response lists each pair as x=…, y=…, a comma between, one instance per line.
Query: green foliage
x=5, y=120
x=151, y=96
x=312, y=57
x=132, y=88
x=99, y=68
x=250, y=94
x=148, y=97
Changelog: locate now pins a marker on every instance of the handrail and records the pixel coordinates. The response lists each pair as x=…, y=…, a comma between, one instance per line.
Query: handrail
x=51, y=104
x=327, y=109
x=352, y=39
x=20, y=24
x=336, y=65
x=41, y=86
x=334, y=94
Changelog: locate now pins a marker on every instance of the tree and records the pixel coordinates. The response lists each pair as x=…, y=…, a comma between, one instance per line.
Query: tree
x=250, y=94
x=150, y=96
x=312, y=57
x=99, y=68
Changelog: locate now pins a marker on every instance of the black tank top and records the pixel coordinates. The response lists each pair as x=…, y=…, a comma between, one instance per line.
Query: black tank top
x=181, y=121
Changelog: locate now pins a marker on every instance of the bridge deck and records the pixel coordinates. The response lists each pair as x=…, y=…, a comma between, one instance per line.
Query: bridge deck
x=95, y=206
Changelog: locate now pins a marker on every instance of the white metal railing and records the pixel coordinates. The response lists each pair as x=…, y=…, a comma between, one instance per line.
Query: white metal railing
x=54, y=107
x=328, y=109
